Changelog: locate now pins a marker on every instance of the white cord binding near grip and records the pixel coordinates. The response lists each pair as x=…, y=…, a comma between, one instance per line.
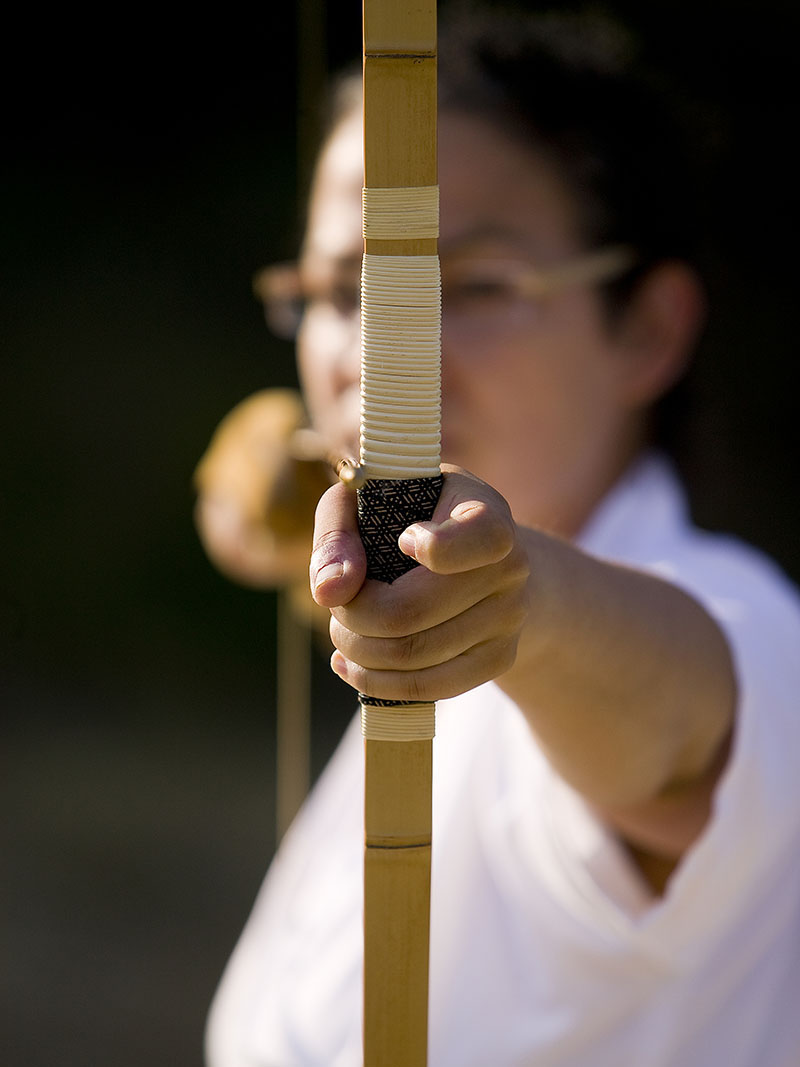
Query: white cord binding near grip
x=402, y=213
x=400, y=366
x=402, y=722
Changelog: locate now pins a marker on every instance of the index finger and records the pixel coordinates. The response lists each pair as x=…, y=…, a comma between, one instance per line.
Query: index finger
x=472, y=527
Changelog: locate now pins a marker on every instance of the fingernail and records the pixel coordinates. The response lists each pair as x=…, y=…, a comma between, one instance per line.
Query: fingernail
x=408, y=541
x=328, y=573
x=339, y=665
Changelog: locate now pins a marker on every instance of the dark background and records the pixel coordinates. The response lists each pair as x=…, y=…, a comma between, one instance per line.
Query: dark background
x=147, y=173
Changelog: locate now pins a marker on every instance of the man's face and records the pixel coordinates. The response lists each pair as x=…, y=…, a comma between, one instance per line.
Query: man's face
x=530, y=397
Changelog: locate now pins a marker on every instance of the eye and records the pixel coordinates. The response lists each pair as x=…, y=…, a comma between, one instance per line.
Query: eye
x=464, y=288
x=278, y=288
x=340, y=294
x=345, y=296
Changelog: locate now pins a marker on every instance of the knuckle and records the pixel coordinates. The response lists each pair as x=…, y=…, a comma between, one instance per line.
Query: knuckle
x=519, y=563
x=360, y=678
x=515, y=570
x=398, y=619
x=496, y=656
x=516, y=609
x=501, y=534
x=390, y=685
x=340, y=636
x=505, y=655
x=416, y=688
x=327, y=542
x=401, y=651
x=504, y=529
x=507, y=537
x=417, y=649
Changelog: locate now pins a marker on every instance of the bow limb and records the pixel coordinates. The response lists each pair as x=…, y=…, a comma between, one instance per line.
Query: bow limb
x=400, y=422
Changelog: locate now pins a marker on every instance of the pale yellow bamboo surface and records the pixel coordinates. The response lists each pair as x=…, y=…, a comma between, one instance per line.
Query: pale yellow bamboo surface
x=397, y=859
x=399, y=151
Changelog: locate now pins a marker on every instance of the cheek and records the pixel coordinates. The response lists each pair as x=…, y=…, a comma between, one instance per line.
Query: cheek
x=585, y=360
x=319, y=354
x=329, y=377
x=316, y=373
x=309, y=367
x=498, y=374
x=488, y=406
x=539, y=389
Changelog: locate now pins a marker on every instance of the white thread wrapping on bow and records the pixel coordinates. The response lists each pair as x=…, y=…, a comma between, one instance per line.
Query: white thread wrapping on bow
x=401, y=323
x=401, y=214
x=401, y=722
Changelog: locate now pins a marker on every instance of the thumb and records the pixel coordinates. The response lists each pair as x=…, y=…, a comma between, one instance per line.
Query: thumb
x=338, y=564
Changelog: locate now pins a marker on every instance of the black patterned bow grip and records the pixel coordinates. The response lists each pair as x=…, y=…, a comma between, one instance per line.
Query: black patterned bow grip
x=386, y=506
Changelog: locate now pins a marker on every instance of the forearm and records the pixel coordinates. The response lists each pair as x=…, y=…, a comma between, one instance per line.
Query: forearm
x=625, y=680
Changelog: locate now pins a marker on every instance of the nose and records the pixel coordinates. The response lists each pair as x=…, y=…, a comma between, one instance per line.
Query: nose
x=329, y=347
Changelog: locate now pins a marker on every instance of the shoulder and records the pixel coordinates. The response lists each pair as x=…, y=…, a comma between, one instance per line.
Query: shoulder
x=645, y=522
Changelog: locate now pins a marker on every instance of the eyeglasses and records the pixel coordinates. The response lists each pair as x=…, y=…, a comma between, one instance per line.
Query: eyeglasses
x=471, y=286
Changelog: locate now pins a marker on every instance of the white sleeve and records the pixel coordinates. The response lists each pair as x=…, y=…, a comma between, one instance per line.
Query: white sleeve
x=738, y=880
x=741, y=865
x=302, y=936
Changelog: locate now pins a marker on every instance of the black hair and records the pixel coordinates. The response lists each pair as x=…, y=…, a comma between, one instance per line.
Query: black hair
x=574, y=86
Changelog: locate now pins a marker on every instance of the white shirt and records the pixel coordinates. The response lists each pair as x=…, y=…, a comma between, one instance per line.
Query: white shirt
x=547, y=947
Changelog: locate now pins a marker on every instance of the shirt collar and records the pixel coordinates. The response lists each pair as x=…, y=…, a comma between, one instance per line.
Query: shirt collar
x=647, y=505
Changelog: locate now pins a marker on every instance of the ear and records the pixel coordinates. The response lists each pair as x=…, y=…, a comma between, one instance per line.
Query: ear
x=659, y=330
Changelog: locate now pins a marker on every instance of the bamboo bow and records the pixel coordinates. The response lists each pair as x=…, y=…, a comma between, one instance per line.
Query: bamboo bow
x=401, y=316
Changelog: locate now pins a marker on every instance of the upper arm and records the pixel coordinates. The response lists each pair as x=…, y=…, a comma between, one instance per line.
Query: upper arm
x=659, y=831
